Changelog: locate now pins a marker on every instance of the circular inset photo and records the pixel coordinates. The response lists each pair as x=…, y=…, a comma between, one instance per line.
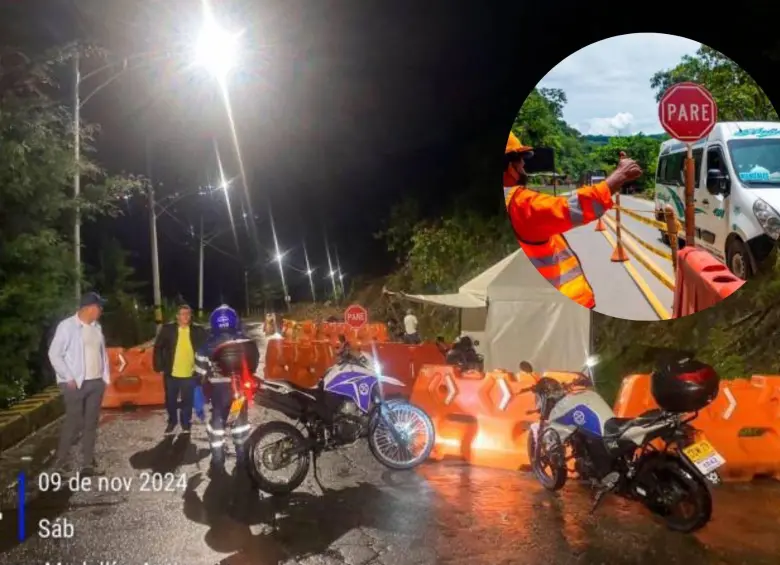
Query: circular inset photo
x=642, y=177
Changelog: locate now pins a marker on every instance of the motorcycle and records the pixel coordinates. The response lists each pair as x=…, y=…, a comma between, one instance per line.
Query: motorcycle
x=346, y=406
x=657, y=458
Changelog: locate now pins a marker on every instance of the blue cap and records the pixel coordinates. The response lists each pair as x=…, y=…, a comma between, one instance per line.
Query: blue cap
x=91, y=299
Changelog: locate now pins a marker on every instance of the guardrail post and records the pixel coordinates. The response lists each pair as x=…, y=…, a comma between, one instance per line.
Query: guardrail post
x=672, y=233
x=619, y=255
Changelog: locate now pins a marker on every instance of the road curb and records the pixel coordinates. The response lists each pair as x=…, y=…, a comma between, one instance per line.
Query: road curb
x=28, y=416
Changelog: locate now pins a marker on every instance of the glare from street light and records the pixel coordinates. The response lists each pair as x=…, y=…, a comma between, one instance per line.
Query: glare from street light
x=216, y=48
x=332, y=274
x=310, y=272
x=279, y=257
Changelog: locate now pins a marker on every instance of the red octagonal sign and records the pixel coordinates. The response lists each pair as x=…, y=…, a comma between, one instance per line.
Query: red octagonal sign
x=356, y=316
x=687, y=112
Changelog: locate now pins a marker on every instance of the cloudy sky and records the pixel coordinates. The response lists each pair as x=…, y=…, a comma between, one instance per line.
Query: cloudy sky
x=607, y=84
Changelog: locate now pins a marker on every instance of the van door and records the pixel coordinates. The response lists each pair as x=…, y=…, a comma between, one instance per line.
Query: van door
x=712, y=217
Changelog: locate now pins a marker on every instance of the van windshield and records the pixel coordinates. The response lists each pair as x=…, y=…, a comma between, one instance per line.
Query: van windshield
x=756, y=161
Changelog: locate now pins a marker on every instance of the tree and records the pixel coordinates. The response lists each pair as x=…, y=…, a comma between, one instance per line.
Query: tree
x=126, y=321
x=36, y=167
x=639, y=147
x=738, y=96
x=446, y=253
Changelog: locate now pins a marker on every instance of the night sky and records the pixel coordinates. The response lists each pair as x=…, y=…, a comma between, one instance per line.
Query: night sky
x=341, y=109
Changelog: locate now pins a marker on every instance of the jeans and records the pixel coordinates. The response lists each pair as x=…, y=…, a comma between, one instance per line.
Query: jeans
x=82, y=414
x=175, y=387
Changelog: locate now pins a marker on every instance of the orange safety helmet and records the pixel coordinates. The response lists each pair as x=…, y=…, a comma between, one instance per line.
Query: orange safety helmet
x=515, y=148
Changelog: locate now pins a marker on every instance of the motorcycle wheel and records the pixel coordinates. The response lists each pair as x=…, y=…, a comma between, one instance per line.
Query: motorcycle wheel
x=682, y=498
x=414, y=425
x=552, y=456
x=263, y=460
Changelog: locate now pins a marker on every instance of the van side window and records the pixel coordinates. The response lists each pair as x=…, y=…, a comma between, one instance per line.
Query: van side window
x=673, y=173
x=661, y=172
x=697, y=157
x=715, y=159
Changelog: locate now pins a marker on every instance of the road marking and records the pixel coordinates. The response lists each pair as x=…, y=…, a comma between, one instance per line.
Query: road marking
x=639, y=255
x=649, y=295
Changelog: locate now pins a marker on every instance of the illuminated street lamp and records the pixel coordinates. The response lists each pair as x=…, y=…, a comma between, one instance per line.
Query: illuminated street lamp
x=216, y=49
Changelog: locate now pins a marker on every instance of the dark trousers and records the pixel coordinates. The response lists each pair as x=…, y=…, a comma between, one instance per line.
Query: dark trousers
x=82, y=415
x=412, y=339
x=176, y=387
x=221, y=399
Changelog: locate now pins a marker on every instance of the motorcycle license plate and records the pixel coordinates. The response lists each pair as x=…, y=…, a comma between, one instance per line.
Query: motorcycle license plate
x=704, y=456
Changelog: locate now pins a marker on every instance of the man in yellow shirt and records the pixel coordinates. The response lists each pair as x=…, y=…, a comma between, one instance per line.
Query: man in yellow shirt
x=174, y=357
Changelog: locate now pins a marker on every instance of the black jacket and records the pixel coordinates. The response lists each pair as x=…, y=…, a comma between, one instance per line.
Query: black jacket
x=165, y=345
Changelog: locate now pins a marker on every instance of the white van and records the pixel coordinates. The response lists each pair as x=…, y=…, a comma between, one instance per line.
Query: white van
x=737, y=191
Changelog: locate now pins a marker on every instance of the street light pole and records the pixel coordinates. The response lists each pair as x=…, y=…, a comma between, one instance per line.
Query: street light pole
x=201, y=259
x=77, y=173
x=153, y=237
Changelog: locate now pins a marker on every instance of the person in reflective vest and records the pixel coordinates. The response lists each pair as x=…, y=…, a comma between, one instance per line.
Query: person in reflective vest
x=540, y=220
x=226, y=364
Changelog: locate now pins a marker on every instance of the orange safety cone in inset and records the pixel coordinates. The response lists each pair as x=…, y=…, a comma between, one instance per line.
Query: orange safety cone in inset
x=600, y=225
x=619, y=255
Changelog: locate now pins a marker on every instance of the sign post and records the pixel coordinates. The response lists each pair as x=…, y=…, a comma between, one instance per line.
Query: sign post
x=355, y=316
x=688, y=113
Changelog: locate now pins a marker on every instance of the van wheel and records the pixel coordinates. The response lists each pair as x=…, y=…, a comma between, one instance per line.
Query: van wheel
x=738, y=259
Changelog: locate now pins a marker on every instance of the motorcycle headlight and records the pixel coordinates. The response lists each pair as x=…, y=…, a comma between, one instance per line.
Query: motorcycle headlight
x=768, y=218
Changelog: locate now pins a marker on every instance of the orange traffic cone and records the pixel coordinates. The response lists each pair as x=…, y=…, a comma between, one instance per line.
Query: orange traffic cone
x=600, y=225
x=619, y=255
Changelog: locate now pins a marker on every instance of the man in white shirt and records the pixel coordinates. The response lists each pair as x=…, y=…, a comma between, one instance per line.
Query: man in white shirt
x=79, y=358
x=410, y=328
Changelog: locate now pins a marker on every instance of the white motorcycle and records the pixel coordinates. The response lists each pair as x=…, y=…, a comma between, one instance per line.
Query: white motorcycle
x=621, y=455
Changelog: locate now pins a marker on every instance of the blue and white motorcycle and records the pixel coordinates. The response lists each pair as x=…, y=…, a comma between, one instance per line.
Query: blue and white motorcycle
x=656, y=458
x=346, y=405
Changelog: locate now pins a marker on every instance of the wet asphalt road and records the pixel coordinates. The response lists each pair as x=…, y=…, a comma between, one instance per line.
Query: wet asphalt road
x=441, y=513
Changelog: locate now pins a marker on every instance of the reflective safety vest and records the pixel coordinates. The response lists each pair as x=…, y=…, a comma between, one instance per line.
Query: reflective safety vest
x=539, y=220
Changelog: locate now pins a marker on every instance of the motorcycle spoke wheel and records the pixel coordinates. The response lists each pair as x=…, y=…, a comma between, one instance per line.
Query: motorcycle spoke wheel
x=416, y=431
x=278, y=459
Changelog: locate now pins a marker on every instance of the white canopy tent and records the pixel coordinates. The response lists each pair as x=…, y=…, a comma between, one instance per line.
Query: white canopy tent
x=516, y=315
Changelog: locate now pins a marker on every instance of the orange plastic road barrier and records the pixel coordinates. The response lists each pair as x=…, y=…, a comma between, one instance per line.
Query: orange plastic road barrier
x=480, y=418
x=702, y=281
x=743, y=423
x=133, y=380
x=304, y=363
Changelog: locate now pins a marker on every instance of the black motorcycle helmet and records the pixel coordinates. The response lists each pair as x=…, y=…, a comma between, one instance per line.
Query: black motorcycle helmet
x=680, y=383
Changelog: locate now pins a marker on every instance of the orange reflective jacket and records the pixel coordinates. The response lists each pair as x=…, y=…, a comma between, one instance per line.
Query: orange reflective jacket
x=539, y=220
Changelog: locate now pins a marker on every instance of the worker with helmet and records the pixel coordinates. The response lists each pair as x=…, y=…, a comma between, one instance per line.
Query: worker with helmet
x=226, y=364
x=540, y=220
